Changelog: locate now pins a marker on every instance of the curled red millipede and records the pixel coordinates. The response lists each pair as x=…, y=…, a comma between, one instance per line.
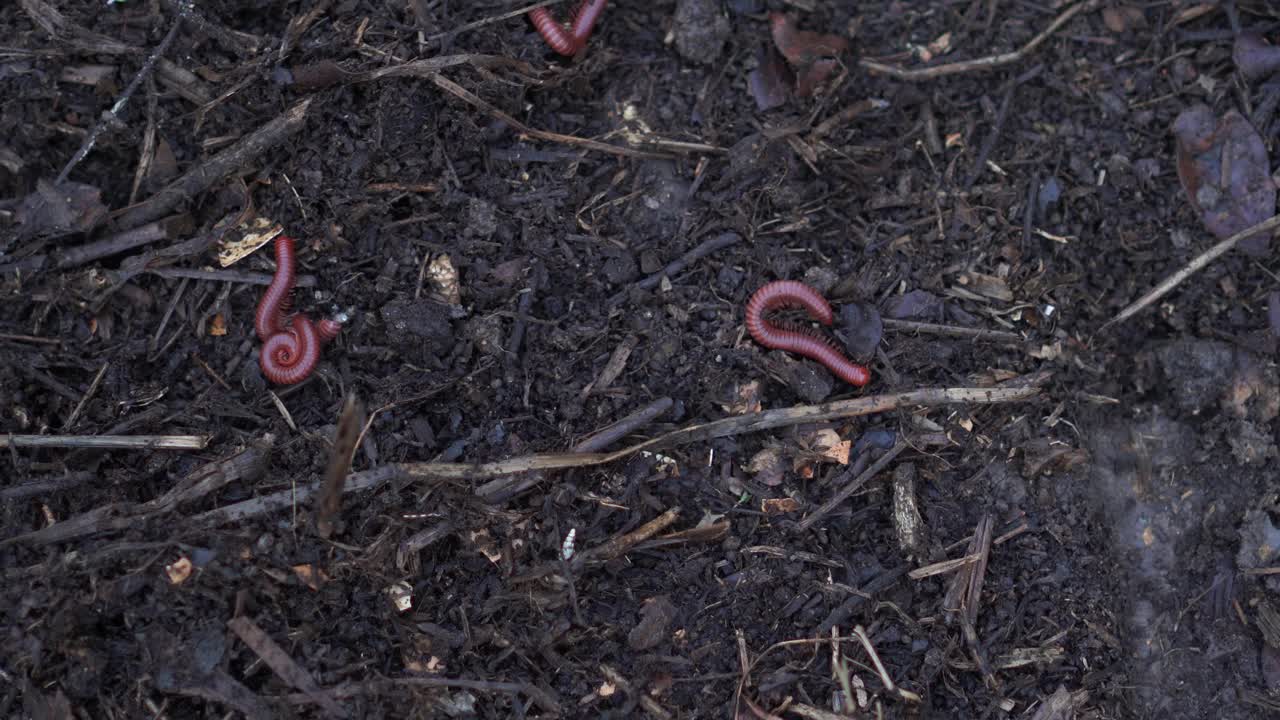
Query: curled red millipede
x=568, y=41
x=802, y=341
x=290, y=344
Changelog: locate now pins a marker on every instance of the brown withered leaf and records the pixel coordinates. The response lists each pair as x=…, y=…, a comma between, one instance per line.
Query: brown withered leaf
x=771, y=81
x=814, y=56
x=60, y=209
x=1225, y=171
x=1255, y=57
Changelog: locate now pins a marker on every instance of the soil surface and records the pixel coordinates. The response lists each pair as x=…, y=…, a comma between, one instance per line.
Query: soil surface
x=528, y=249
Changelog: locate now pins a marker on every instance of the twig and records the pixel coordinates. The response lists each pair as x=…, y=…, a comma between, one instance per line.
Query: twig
x=356, y=483
x=112, y=116
x=235, y=276
x=737, y=425
x=248, y=150
x=93, y=388
x=650, y=705
x=883, y=581
x=368, y=480
x=47, y=486
x=607, y=436
x=618, y=546
x=612, y=369
x=1191, y=268
x=491, y=20
x=852, y=486
x=924, y=328
x=380, y=686
x=704, y=248
x=516, y=338
x=165, y=229
x=985, y=63
x=52, y=21
x=243, y=43
x=942, y=567
x=989, y=145
x=108, y=442
x=204, y=480
x=463, y=94
x=284, y=666
x=861, y=633
x=30, y=339
x=965, y=595
x=350, y=420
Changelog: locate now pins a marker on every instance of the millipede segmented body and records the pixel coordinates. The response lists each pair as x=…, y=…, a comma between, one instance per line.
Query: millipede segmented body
x=290, y=344
x=568, y=41
x=802, y=341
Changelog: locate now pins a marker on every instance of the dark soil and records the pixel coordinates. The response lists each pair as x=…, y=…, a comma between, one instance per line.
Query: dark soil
x=1131, y=501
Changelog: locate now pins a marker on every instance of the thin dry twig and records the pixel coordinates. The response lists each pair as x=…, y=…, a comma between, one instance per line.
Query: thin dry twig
x=380, y=686
x=924, y=328
x=108, y=442
x=112, y=116
x=642, y=698
x=369, y=480
x=280, y=662
x=861, y=634
x=463, y=94
x=984, y=63
x=249, y=149
x=93, y=388
x=350, y=421
x=1197, y=264
x=208, y=478
x=607, y=436
x=852, y=486
x=737, y=425
x=491, y=20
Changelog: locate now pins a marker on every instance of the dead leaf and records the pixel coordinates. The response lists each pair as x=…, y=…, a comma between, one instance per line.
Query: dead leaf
x=1118, y=19
x=1254, y=57
x=813, y=56
x=483, y=542
x=310, y=575
x=990, y=286
x=60, y=209
x=246, y=238
x=779, y=506
x=863, y=329
x=748, y=399
x=771, y=81
x=401, y=594
x=444, y=279
x=1226, y=173
x=179, y=570
x=767, y=467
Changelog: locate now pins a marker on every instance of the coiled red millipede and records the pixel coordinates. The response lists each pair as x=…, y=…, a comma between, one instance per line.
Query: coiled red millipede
x=802, y=341
x=290, y=345
x=568, y=41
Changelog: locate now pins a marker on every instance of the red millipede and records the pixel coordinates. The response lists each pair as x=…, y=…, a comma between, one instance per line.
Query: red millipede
x=802, y=341
x=568, y=41
x=290, y=344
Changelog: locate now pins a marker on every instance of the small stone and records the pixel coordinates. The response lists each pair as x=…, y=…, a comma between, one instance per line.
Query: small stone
x=655, y=617
x=619, y=267
x=701, y=30
x=1198, y=371
x=482, y=217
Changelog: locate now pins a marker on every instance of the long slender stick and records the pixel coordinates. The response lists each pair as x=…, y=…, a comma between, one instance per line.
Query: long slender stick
x=983, y=63
x=107, y=442
x=111, y=116
x=1191, y=268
